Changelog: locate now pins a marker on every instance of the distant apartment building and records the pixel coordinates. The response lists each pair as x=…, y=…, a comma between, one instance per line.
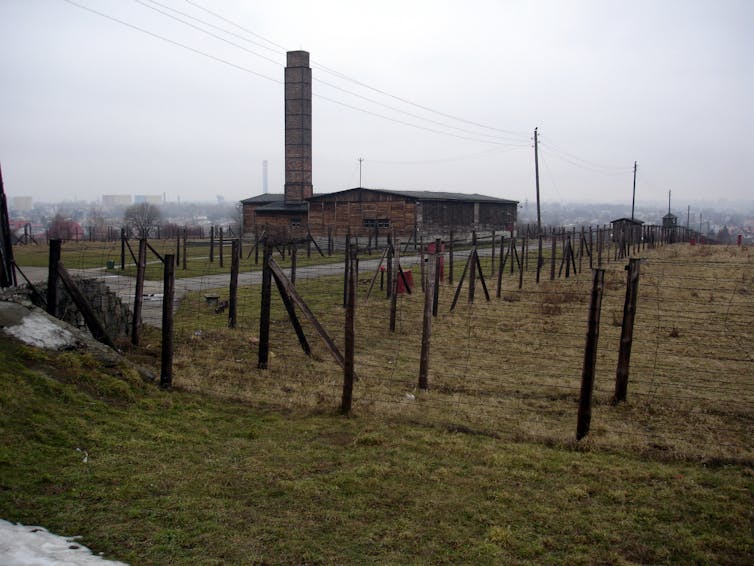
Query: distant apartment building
x=111, y=201
x=149, y=199
x=21, y=204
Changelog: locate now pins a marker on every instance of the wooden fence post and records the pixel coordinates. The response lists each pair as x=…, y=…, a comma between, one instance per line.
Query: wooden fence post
x=256, y=245
x=221, y=248
x=436, y=285
x=427, y=323
x=346, y=269
x=122, y=249
x=177, y=247
x=211, y=244
x=553, y=253
x=450, y=259
x=348, y=355
x=168, y=294
x=294, y=261
x=185, y=248
x=87, y=312
x=390, y=255
x=394, y=284
x=8, y=275
x=233, y=290
x=264, y=312
x=590, y=354
x=472, y=270
x=141, y=267
x=522, y=264
x=627, y=330
x=52, y=277
x=501, y=266
x=422, y=269
x=492, y=257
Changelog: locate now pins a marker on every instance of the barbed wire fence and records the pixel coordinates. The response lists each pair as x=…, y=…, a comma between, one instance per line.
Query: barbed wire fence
x=511, y=366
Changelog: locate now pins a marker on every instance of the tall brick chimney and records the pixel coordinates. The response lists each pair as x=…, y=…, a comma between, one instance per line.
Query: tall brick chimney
x=298, y=127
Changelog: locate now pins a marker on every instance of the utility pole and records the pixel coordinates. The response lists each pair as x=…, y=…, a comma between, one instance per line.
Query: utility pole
x=633, y=199
x=361, y=160
x=536, y=176
x=669, y=201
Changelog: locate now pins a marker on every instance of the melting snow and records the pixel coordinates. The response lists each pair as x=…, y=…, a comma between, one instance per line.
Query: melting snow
x=38, y=330
x=34, y=546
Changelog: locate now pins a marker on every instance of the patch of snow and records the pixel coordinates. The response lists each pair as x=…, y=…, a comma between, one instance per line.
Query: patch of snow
x=35, y=546
x=38, y=330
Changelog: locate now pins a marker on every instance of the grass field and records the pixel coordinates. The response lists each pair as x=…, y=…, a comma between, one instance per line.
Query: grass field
x=512, y=367
x=183, y=478
x=97, y=255
x=238, y=465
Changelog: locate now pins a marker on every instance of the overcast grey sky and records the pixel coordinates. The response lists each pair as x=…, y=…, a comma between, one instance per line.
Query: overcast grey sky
x=90, y=106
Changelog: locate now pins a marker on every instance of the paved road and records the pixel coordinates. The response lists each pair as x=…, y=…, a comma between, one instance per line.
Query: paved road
x=124, y=286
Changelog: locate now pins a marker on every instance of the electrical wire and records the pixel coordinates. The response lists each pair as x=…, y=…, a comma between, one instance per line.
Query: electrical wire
x=173, y=42
x=218, y=28
x=518, y=134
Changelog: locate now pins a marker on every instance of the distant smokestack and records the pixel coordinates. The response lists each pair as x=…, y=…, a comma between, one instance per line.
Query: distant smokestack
x=298, y=127
x=265, y=186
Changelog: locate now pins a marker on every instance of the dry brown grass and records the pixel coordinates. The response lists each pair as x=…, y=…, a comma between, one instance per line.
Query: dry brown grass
x=512, y=367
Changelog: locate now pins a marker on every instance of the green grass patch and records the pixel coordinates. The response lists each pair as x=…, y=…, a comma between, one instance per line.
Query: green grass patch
x=182, y=478
x=92, y=255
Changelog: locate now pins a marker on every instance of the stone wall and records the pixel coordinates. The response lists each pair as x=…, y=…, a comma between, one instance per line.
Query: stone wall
x=112, y=312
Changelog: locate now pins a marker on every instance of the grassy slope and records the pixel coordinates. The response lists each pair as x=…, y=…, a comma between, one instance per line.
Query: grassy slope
x=181, y=478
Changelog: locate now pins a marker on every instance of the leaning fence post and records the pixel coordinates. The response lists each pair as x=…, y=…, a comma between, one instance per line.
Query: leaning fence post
x=590, y=354
x=264, y=312
x=233, y=290
x=168, y=293
x=141, y=267
x=627, y=330
x=52, y=277
x=348, y=355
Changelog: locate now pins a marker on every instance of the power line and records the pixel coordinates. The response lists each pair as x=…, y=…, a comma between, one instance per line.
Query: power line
x=593, y=164
x=220, y=17
x=560, y=156
x=417, y=126
x=246, y=69
x=406, y=112
x=352, y=93
x=518, y=134
x=446, y=159
x=206, y=23
x=173, y=42
x=522, y=135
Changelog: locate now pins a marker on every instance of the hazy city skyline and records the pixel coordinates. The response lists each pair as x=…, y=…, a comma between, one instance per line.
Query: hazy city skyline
x=94, y=106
